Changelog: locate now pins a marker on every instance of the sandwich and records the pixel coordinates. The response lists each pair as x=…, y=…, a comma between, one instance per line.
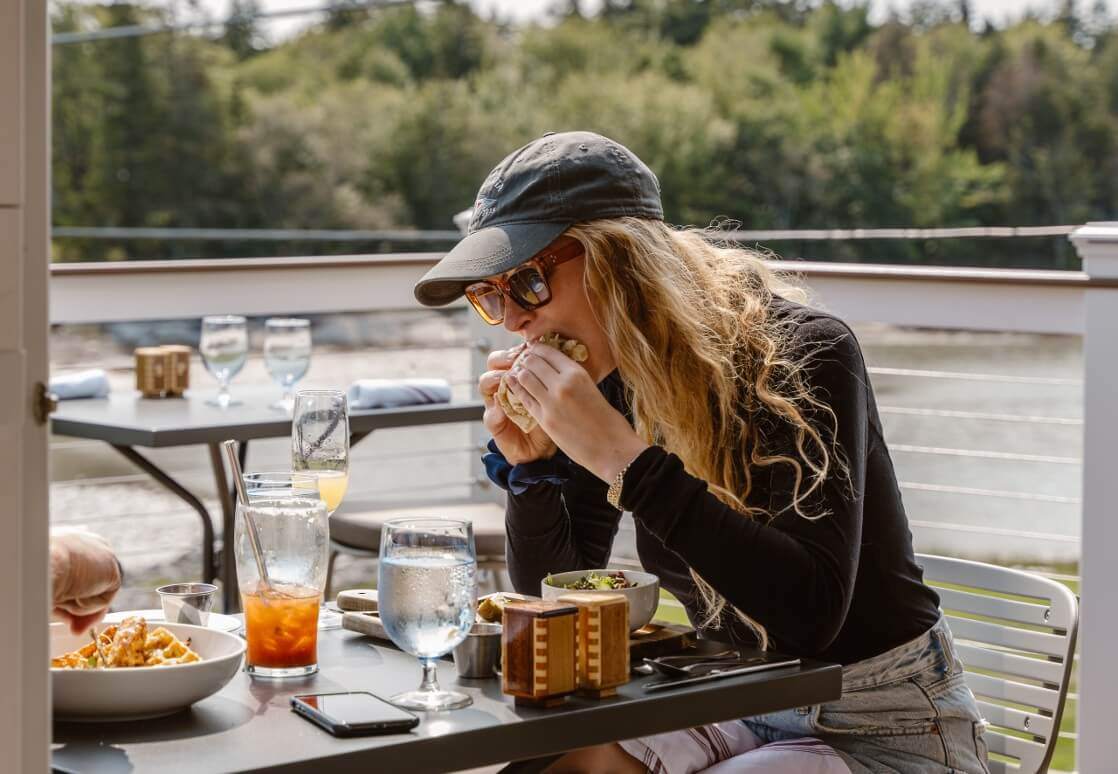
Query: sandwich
x=512, y=407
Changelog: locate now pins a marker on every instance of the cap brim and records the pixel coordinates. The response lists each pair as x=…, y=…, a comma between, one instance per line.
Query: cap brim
x=482, y=254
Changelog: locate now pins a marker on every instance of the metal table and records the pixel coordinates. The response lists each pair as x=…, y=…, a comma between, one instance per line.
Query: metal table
x=126, y=421
x=248, y=726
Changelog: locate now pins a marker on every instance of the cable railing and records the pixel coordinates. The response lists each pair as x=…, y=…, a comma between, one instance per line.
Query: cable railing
x=980, y=415
x=976, y=377
x=983, y=454
x=202, y=25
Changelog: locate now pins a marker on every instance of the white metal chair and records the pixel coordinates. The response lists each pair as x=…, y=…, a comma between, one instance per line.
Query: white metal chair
x=1015, y=633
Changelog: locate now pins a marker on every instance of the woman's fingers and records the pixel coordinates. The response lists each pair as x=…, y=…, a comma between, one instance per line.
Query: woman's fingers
x=526, y=394
x=79, y=624
x=489, y=382
x=539, y=366
x=553, y=357
x=502, y=359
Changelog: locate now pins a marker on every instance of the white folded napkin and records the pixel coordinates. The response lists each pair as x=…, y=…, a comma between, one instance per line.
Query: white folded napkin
x=389, y=393
x=93, y=383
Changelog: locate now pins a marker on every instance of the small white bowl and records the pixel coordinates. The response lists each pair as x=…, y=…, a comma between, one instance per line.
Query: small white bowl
x=132, y=693
x=644, y=596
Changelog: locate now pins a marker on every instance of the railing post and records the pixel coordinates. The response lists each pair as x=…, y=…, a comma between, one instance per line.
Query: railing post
x=483, y=340
x=1097, y=244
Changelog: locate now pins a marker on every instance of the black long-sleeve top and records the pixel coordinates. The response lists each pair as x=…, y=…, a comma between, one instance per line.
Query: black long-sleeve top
x=843, y=587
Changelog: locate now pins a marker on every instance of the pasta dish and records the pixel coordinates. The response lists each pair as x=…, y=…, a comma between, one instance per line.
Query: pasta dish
x=129, y=645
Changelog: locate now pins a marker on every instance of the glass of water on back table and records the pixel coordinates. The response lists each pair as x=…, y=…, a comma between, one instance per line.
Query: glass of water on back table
x=224, y=348
x=427, y=593
x=287, y=355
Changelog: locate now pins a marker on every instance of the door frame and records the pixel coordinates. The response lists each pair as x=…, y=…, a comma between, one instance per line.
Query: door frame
x=24, y=265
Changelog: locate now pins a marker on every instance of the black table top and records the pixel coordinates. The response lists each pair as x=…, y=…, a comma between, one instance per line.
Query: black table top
x=126, y=419
x=249, y=726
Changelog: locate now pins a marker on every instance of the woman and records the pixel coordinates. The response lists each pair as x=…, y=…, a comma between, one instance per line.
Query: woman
x=740, y=430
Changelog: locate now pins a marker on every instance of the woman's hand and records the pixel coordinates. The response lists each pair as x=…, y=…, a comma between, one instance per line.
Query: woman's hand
x=85, y=577
x=516, y=445
x=563, y=398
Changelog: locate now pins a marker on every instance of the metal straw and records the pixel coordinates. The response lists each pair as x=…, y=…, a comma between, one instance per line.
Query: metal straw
x=230, y=448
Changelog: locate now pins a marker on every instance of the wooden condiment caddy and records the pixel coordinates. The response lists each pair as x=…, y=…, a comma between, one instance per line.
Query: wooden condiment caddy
x=176, y=369
x=603, y=642
x=151, y=372
x=162, y=371
x=538, y=652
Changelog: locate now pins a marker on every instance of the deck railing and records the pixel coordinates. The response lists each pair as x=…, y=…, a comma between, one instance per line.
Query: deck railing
x=1081, y=303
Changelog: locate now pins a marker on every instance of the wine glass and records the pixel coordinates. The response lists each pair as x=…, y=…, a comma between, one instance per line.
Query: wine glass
x=320, y=441
x=427, y=592
x=287, y=355
x=224, y=347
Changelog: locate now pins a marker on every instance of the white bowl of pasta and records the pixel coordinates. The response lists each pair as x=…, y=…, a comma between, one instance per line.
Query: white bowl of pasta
x=181, y=664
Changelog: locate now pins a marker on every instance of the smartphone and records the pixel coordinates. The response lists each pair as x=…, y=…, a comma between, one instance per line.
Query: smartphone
x=354, y=713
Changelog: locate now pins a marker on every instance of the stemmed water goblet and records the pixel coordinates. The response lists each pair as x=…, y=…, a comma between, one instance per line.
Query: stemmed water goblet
x=224, y=349
x=427, y=593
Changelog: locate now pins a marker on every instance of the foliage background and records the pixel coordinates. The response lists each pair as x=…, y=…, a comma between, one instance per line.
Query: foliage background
x=767, y=114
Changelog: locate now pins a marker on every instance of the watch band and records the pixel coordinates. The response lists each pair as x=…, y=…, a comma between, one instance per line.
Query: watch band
x=613, y=494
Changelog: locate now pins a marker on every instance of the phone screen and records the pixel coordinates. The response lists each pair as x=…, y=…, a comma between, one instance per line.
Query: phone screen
x=357, y=710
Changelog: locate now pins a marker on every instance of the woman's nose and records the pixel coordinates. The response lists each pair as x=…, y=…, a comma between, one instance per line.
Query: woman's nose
x=516, y=316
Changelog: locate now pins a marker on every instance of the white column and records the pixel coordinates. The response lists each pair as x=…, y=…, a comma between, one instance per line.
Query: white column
x=24, y=219
x=1097, y=244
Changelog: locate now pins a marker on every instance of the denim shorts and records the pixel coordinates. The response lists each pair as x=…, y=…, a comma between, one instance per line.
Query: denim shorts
x=907, y=710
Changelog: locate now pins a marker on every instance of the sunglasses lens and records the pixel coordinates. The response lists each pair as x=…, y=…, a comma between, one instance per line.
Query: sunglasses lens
x=529, y=287
x=488, y=301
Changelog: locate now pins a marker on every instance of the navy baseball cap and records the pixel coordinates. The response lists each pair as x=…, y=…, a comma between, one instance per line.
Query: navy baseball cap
x=532, y=197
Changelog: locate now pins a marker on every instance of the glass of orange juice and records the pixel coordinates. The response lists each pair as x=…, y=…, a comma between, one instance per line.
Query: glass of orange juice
x=281, y=615
x=320, y=441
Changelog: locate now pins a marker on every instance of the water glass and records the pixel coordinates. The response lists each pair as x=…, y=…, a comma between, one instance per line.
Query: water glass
x=281, y=618
x=427, y=593
x=287, y=355
x=320, y=441
x=224, y=348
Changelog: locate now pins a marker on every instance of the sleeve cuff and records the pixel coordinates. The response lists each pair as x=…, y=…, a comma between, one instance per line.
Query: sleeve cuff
x=653, y=486
x=644, y=462
x=517, y=479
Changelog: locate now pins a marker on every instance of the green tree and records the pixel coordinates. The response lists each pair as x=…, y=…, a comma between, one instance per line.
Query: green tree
x=242, y=33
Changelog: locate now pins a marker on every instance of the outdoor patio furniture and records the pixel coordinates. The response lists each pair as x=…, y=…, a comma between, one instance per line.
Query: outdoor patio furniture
x=355, y=531
x=1015, y=633
x=248, y=725
x=125, y=421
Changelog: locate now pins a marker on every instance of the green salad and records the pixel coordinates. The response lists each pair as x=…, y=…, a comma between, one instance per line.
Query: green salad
x=595, y=581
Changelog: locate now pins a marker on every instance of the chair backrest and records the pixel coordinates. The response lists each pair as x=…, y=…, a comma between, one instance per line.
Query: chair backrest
x=1015, y=633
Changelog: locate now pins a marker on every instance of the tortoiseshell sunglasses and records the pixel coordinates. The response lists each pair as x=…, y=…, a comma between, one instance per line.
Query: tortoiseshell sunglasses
x=526, y=284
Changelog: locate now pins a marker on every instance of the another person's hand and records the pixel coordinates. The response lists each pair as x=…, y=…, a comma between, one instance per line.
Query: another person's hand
x=85, y=577
x=563, y=398
x=516, y=445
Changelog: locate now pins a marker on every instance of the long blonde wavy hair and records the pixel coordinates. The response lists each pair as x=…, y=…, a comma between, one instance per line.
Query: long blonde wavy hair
x=690, y=324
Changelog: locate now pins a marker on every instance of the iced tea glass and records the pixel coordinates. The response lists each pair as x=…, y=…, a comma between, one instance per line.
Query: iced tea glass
x=281, y=619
